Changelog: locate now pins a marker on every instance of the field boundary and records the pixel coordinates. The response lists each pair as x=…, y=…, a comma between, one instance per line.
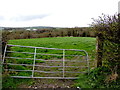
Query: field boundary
x=63, y=66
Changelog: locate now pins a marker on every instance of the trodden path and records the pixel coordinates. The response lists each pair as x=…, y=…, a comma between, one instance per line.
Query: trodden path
x=49, y=83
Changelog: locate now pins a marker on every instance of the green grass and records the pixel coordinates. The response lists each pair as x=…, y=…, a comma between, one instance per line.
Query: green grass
x=82, y=43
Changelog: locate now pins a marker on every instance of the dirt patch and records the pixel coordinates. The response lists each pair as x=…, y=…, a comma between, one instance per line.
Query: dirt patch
x=49, y=83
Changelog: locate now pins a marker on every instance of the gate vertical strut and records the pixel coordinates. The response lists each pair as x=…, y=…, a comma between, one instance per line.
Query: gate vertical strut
x=34, y=62
x=63, y=63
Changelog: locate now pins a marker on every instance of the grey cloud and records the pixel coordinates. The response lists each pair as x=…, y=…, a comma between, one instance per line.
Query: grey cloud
x=28, y=17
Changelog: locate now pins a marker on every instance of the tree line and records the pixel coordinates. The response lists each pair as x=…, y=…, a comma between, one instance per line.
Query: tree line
x=42, y=33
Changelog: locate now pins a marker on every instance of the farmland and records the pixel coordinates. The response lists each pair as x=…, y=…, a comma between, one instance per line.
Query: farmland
x=82, y=43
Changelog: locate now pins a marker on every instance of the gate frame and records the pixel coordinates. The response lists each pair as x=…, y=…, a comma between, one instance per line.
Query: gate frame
x=34, y=59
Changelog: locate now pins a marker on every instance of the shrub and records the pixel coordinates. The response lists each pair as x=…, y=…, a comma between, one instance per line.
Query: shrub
x=107, y=29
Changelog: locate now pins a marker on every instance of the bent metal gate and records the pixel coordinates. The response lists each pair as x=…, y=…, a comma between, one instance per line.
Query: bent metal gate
x=39, y=62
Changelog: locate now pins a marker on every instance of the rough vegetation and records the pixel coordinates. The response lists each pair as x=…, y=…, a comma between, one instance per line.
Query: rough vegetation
x=108, y=28
x=107, y=73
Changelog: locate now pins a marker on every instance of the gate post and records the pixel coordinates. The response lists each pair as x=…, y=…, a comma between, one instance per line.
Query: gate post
x=99, y=50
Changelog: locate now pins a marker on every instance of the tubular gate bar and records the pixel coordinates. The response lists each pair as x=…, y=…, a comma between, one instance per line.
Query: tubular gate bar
x=35, y=59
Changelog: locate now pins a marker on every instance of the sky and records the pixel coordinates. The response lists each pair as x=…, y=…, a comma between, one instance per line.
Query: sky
x=54, y=13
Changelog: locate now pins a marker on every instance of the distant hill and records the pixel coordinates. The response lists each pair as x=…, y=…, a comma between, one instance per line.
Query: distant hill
x=39, y=27
x=31, y=27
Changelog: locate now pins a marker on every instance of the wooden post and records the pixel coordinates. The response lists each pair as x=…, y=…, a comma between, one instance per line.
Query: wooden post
x=99, y=50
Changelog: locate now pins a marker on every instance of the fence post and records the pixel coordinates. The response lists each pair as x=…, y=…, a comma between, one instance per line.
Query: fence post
x=34, y=62
x=63, y=63
x=4, y=53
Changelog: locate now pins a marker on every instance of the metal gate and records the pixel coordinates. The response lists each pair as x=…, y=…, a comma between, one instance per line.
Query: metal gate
x=39, y=62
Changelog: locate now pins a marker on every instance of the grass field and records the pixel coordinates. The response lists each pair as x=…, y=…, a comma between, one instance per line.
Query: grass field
x=82, y=43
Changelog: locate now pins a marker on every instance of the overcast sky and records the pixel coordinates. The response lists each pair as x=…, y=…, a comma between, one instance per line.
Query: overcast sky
x=56, y=13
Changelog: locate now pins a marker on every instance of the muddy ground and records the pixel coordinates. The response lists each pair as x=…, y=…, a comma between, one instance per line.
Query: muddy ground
x=49, y=83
